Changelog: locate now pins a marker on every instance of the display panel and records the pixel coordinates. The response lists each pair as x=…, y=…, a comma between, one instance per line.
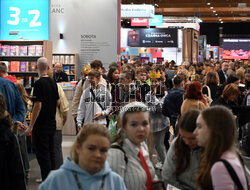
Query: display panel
x=24, y=19
x=236, y=48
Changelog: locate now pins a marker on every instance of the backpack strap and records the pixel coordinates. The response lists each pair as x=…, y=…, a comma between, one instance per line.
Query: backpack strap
x=116, y=146
x=83, y=80
x=108, y=83
x=232, y=173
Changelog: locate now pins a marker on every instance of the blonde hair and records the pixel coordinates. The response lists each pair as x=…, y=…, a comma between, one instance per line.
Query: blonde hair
x=87, y=130
x=23, y=94
x=241, y=74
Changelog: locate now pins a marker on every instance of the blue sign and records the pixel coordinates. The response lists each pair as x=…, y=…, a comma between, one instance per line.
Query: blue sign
x=156, y=21
x=24, y=19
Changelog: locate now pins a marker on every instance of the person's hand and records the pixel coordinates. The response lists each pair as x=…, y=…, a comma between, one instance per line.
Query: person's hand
x=110, y=116
x=79, y=128
x=21, y=126
x=28, y=132
x=97, y=116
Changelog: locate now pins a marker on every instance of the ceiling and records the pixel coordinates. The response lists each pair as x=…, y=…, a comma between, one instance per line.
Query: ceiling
x=209, y=11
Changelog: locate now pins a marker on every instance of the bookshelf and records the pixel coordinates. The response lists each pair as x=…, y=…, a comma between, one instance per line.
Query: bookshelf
x=70, y=63
x=21, y=56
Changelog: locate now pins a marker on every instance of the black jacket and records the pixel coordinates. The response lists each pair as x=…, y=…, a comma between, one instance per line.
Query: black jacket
x=222, y=77
x=173, y=101
x=60, y=77
x=11, y=166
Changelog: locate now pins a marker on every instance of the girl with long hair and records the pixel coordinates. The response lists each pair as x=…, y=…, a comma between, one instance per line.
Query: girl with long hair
x=216, y=133
x=183, y=155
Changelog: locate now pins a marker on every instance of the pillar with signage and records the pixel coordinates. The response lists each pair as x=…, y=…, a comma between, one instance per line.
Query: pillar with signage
x=190, y=46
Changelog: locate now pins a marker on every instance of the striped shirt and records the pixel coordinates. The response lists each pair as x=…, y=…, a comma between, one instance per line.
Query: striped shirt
x=133, y=172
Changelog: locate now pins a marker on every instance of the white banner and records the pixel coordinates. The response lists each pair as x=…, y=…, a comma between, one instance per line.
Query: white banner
x=137, y=11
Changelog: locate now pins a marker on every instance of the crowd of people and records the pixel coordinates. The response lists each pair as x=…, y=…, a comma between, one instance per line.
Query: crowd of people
x=138, y=126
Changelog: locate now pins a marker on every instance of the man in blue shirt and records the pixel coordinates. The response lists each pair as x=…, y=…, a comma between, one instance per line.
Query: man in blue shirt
x=13, y=100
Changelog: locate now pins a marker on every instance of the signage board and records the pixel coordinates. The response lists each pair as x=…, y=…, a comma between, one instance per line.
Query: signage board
x=156, y=21
x=139, y=21
x=153, y=37
x=137, y=11
x=21, y=19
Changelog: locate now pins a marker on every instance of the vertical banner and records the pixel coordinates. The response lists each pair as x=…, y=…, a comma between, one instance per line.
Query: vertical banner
x=90, y=28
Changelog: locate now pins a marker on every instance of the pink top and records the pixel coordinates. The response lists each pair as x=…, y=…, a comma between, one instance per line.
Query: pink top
x=221, y=179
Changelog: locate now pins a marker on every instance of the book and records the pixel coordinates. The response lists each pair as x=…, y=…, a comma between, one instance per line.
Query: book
x=71, y=59
x=39, y=50
x=66, y=59
x=61, y=59
x=14, y=66
x=66, y=69
x=23, y=50
x=23, y=66
x=56, y=58
x=14, y=50
x=4, y=50
x=31, y=50
x=32, y=66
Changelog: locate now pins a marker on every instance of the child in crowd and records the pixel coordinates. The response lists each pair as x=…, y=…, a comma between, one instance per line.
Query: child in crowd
x=216, y=133
x=95, y=102
x=141, y=83
x=159, y=122
x=87, y=168
x=183, y=156
x=129, y=156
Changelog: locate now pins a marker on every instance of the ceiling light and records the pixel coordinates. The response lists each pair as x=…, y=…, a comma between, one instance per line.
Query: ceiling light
x=211, y=7
x=221, y=22
x=220, y=19
x=156, y=5
x=214, y=11
x=128, y=22
x=208, y=3
x=216, y=14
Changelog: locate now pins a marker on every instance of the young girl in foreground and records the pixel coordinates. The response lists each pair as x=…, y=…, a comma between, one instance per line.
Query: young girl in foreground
x=128, y=160
x=88, y=168
x=216, y=133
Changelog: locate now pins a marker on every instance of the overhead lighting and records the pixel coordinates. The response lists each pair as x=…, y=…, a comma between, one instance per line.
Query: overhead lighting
x=128, y=22
x=221, y=22
x=211, y=7
x=156, y=5
x=216, y=14
x=208, y=3
x=220, y=19
x=214, y=11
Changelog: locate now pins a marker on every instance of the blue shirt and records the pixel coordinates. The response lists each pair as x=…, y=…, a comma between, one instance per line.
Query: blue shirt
x=13, y=100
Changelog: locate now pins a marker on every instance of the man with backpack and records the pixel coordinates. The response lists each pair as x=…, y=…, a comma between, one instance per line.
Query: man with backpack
x=83, y=84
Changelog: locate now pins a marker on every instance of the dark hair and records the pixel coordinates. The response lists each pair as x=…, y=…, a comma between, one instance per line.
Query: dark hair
x=193, y=91
x=222, y=135
x=160, y=68
x=141, y=70
x=187, y=122
x=96, y=64
x=230, y=89
x=110, y=74
x=4, y=114
x=232, y=78
x=96, y=74
x=212, y=78
x=3, y=67
x=129, y=74
x=177, y=80
x=137, y=63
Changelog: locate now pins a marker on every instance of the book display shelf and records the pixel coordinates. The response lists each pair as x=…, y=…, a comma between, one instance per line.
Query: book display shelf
x=70, y=64
x=21, y=56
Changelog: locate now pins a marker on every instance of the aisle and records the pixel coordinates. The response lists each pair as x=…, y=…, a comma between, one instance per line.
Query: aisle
x=35, y=170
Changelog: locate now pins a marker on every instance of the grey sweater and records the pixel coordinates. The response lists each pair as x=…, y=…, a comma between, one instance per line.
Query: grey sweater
x=186, y=180
x=88, y=107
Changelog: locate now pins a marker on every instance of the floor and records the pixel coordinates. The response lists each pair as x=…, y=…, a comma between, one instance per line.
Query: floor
x=35, y=170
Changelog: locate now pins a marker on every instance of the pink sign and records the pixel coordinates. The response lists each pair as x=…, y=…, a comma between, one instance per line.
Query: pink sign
x=139, y=22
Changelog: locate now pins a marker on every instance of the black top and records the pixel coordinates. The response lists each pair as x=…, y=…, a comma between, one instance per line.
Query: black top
x=213, y=88
x=60, y=77
x=45, y=91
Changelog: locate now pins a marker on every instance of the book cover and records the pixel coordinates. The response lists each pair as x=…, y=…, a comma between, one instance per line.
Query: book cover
x=23, y=66
x=4, y=50
x=61, y=59
x=66, y=69
x=14, y=66
x=23, y=50
x=39, y=50
x=32, y=66
x=66, y=59
x=14, y=50
x=31, y=50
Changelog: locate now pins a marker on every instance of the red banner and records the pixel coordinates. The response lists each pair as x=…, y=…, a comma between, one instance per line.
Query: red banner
x=139, y=22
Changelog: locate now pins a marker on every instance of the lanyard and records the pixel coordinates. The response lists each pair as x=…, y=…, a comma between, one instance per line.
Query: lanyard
x=79, y=184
